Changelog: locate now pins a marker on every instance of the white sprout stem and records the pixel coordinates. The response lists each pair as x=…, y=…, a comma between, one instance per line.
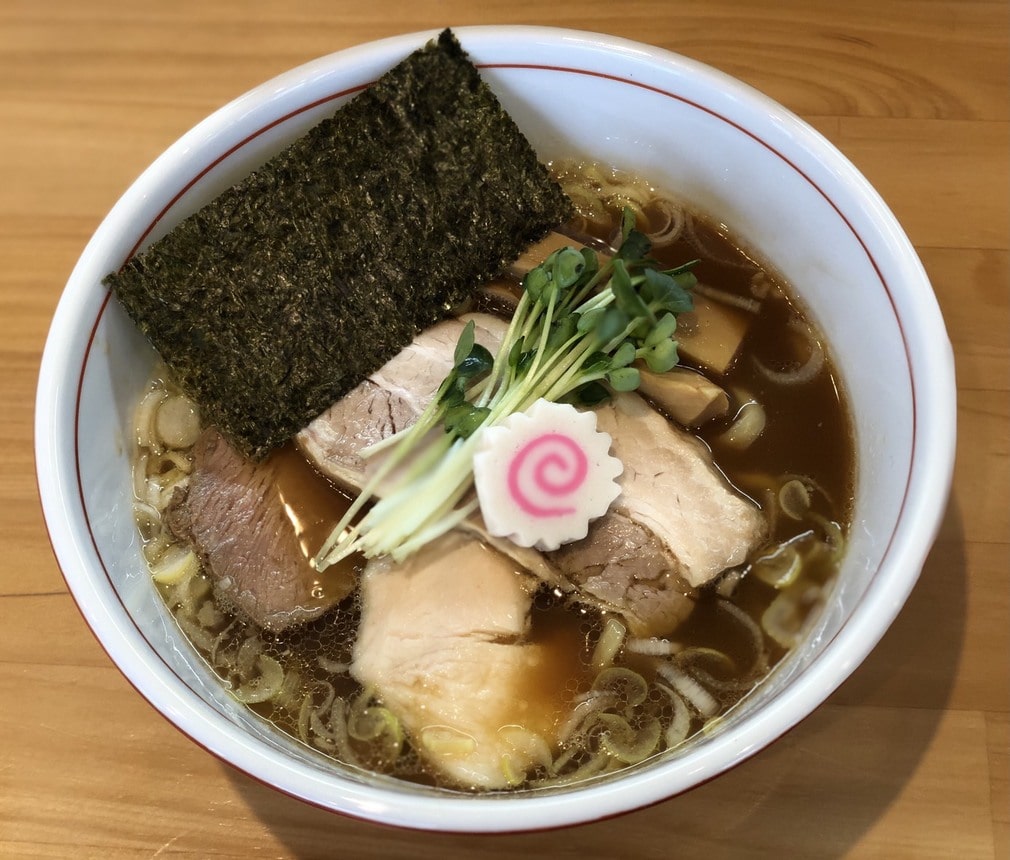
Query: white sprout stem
x=602, y=275
x=545, y=331
x=340, y=542
x=446, y=524
x=516, y=330
x=417, y=506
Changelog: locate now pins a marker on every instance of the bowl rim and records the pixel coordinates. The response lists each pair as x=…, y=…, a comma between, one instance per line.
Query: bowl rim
x=930, y=469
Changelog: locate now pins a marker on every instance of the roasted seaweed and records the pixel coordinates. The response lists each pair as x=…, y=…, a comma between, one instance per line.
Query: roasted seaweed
x=283, y=293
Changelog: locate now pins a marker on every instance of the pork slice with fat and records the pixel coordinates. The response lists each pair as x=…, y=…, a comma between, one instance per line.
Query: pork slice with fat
x=677, y=524
x=623, y=567
x=387, y=401
x=673, y=487
x=443, y=644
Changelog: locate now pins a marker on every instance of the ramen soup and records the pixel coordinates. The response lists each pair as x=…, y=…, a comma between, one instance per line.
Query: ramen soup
x=479, y=666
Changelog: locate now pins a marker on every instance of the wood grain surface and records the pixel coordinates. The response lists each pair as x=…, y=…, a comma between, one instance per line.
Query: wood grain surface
x=908, y=759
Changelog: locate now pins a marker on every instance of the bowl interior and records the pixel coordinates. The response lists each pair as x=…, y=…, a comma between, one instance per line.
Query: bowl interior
x=735, y=155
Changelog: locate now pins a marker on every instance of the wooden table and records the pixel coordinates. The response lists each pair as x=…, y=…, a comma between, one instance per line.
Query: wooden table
x=908, y=759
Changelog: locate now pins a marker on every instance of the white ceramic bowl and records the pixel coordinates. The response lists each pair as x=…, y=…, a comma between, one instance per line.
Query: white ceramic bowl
x=737, y=155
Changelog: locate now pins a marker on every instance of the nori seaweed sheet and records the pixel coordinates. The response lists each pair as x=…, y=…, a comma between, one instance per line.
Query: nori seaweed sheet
x=288, y=289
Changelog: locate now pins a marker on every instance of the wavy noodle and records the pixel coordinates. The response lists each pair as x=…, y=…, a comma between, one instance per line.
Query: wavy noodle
x=743, y=303
x=600, y=195
x=158, y=468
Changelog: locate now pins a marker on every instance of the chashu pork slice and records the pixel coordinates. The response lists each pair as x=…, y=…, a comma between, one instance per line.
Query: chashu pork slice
x=676, y=526
x=443, y=644
x=621, y=566
x=672, y=487
x=254, y=525
x=386, y=402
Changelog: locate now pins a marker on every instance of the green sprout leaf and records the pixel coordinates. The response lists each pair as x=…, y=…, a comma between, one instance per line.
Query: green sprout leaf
x=562, y=331
x=662, y=357
x=596, y=364
x=477, y=363
x=663, y=330
x=590, y=265
x=613, y=323
x=453, y=392
x=566, y=266
x=628, y=221
x=634, y=247
x=627, y=299
x=624, y=356
x=589, y=394
x=465, y=420
x=464, y=344
x=590, y=320
x=624, y=378
x=536, y=281
x=670, y=292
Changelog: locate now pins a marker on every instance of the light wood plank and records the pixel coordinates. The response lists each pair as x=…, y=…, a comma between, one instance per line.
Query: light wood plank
x=998, y=740
x=982, y=467
x=972, y=290
x=953, y=192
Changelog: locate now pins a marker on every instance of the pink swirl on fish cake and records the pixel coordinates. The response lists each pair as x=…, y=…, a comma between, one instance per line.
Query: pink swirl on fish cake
x=552, y=464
